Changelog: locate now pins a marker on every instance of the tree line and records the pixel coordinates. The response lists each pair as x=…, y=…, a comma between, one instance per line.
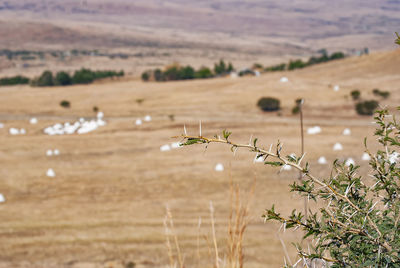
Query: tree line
x=299, y=64
x=62, y=78
x=177, y=72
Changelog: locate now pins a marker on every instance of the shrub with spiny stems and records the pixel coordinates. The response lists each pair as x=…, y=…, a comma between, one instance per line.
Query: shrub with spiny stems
x=358, y=224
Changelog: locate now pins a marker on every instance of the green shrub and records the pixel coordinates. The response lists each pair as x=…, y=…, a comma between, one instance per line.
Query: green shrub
x=83, y=76
x=295, y=109
x=336, y=56
x=257, y=66
x=366, y=107
x=379, y=93
x=15, y=80
x=158, y=75
x=276, y=68
x=145, y=76
x=62, y=79
x=186, y=73
x=246, y=72
x=65, y=104
x=44, y=80
x=269, y=104
x=222, y=68
x=355, y=94
x=203, y=73
x=297, y=64
x=355, y=220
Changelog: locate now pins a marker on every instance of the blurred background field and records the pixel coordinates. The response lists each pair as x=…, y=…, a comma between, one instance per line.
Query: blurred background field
x=106, y=204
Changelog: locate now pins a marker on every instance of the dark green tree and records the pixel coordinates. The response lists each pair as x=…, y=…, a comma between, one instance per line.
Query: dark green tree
x=45, y=80
x=62, y=79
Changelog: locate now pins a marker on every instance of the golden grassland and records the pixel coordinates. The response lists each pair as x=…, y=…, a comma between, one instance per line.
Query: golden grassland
x=106, y=205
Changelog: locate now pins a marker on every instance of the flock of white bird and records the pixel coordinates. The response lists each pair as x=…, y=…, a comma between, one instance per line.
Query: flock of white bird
x=81, y=126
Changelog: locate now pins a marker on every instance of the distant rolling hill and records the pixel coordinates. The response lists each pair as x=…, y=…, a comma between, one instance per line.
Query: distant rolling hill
x=198, y=32
x=297, y=22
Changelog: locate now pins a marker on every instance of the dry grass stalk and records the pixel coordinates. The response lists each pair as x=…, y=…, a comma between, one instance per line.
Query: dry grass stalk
x=238, y=222
x=214, y=234
x=170, y=232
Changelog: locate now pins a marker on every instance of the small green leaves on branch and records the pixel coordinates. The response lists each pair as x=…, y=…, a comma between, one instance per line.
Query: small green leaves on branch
x=226, y=134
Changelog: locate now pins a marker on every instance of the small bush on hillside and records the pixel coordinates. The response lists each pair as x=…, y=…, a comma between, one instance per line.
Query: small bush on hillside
x=269, y=104
x=95, y=109
x=384, y=94
x=296, y=64
x=355, y=94
x=276, y=68
x=296, y=108
x=367, y=107
x=145, y=76
x=257, y=66
x=158, y=75
x=246, y=72
x=15, y=80
x=65, y=104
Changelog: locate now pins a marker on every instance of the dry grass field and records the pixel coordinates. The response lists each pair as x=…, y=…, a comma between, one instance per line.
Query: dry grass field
x=106, y=205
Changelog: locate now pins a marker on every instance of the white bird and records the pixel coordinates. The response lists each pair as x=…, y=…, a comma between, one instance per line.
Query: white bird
x=100, y=115
x=56, y=152
x=101, y=123
x=337, y=147
x=314, y=130
x=138, y=122
x=350, y=161
x=1, y=125
x=50, y=173
x=13, y=131
x=346, y=132
x=336, y=88
x=258, y=159
x=33, y=121
x=22, y=131
x=147, y=118
x=165, y=148
x=2, y=198
x=366, y=157
x=322, y=160
x=49, y=152
x=284, y=80
x=219, y=167
x=286, y=167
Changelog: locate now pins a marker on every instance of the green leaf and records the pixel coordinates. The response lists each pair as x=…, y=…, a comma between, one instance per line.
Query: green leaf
x=226, y=134
x=274, y=164
x=191, y=141
x=255, y=142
